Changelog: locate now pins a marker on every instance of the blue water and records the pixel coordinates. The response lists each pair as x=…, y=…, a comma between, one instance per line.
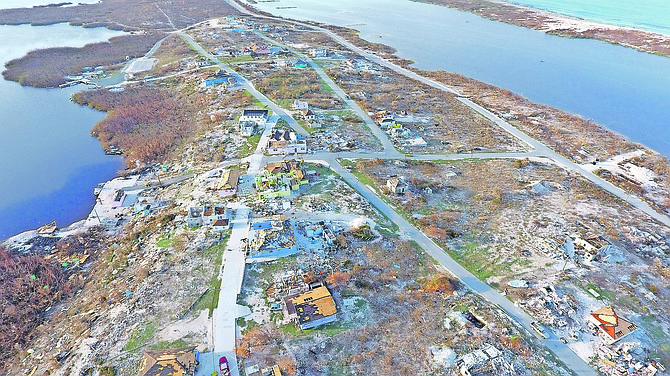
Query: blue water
x=49, y=163
x=649, y=15
x=623, y=89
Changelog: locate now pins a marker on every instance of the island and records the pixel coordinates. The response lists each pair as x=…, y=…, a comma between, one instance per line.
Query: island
x=300, y=201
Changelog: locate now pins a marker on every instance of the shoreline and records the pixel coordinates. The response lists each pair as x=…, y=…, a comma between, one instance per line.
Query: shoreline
x=156, y=253
x=579, y=21
x=387, y=53
x=562, y=25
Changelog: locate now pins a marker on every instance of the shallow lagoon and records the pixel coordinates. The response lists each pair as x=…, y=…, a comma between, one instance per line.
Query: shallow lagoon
x=49, y=163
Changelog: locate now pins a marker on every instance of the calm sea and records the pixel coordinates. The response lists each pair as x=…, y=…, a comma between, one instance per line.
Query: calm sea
x=650, y=15
x=49, y=163
x=625, y=90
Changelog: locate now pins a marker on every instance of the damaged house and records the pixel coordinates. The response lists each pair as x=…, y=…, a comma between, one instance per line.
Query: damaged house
x=282, y=141
x=312, y=308
x=397, y=186
x=610, y=326
x=172, y=362
x=278, y=179
x=228, y=184
x=271, y=238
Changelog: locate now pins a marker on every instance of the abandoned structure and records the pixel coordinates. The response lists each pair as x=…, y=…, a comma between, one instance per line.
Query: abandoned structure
x=278, y=179
x=173, y=362
x=312, y=308
x=271, y=237
x=610, y=326
x=206, y=215
x=228, y=184
x=283, y=141
x=396, y=186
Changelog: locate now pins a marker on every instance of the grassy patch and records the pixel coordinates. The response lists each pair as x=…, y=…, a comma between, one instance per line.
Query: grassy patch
x=385, y=231
x=165, y=241
x=162, y=345
x=365, y=180
x=293, y=330
x=479, y=261
x=250, y=146
x=605, y=294
x=325, y=87
x=246, y=325
x=140, y=338
x=237, y=59
x=211, y=299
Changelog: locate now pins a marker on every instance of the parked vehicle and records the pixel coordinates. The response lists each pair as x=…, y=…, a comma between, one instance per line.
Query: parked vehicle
x=223, y=366
x=276, y=307
x=539, y=329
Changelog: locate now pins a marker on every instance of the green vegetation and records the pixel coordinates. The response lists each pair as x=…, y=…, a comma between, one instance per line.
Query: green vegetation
x=107, y=371
x=165, y=241
x=246, y=325
x=325, y=87
x=140, y=338
x=211, y=299
x=327, y=181
x=363, y=232
x=388, y=232
x=479, y=261
x=170, y=344
x=658, y=334
x=327, y=330
x=250, y=146
x=237, y=59
x=605, y=294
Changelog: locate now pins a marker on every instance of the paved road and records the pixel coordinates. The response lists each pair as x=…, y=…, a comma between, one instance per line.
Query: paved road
x=233, y=263
x=209, y=362
x=160, y=183
x=540, y=148
x=231, y=284
x=376, y=131
x=561, y=350
x=248, y=86
x=543, y=150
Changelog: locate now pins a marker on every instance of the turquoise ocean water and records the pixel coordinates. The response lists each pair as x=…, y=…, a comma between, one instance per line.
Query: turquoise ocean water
x=649, y=15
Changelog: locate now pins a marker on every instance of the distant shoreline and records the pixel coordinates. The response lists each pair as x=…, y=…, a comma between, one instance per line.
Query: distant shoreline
x=561, y=25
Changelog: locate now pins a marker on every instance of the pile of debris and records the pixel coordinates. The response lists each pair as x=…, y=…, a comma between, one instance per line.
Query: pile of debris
x=620, y=360
x=488, y=358
x=271, y=238
x=33, y=284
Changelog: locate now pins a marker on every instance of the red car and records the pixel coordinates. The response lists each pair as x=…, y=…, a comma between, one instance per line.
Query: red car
x=223, y=366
